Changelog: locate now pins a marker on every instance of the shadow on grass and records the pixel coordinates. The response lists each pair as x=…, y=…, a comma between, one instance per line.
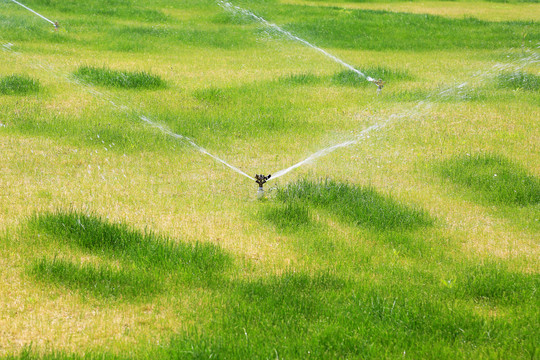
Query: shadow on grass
x=492, y=178
x=144, y=257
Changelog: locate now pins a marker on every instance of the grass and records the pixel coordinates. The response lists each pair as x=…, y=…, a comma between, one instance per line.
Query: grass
x=363, y=206
x=290, y=215
x=119, y=241
x=412, y=250
x=118, y=79
x=18, y=85
x=360, y=29
x=493, y=282
x=493, y=178
x=519, y=80
x=101, y=281
x=350, y=78
x=145, y=257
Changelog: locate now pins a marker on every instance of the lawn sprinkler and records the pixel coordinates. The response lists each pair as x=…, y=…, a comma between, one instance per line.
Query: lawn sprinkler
x=380, y=85
x=261, y=179
x=56, y=25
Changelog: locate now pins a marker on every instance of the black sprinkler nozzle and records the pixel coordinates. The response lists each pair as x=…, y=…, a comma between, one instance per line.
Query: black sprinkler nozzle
x=380, y=85
x=261, y=179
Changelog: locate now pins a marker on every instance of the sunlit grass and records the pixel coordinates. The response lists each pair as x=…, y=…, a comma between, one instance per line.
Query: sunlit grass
x=166, y=253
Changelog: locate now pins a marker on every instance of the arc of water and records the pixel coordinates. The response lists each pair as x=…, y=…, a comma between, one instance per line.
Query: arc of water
x=328, y=150
x=236, y=9
x=192, y=143
x=107, y=98
x=35, y=12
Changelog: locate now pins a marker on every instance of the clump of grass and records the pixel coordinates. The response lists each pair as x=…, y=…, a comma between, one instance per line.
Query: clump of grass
x=120, y=241
x=212, y=94
x=494, y=282
x=362, y=205
x=351, y=78
x=143, y=259
x=120, y=79
x=492, y=178
x=300, y=79
x=519, y=80
x=18, y=85
x=98, y=280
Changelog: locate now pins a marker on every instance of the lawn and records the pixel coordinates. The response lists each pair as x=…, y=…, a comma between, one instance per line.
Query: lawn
x=130, y=226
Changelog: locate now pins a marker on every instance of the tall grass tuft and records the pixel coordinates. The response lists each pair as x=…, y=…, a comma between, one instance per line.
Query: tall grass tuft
x=362, y=205
x=351, y=78
x=493, y=178
x=519, y=80
x=18, y=85
x=494, y=282
x=98, y=280
x=300, y=79
x=120, y=79
x=120, y=241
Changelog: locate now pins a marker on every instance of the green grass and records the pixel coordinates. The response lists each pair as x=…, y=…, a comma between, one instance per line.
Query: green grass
x=493, y=282
x=290, y=215
x=385, y=261
x=519, y=80
x=100, y=281
x=361, y=29
x=18, y=85
x=492, y=178
x=350, y=78
x=146, y=258
x=118, y=79
x=117, y=240
x=300, y=79
x=363, y=206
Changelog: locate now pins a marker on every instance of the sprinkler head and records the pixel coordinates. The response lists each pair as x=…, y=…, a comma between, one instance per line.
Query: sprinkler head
x=56, y=25
x=380, y=85
x=261, y=179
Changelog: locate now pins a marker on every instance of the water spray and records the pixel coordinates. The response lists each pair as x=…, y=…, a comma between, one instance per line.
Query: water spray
x=261, y=180
x=237, y=9
x=54, y=23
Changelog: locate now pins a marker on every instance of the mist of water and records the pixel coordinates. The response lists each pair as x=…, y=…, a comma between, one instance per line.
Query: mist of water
x=359, y=137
